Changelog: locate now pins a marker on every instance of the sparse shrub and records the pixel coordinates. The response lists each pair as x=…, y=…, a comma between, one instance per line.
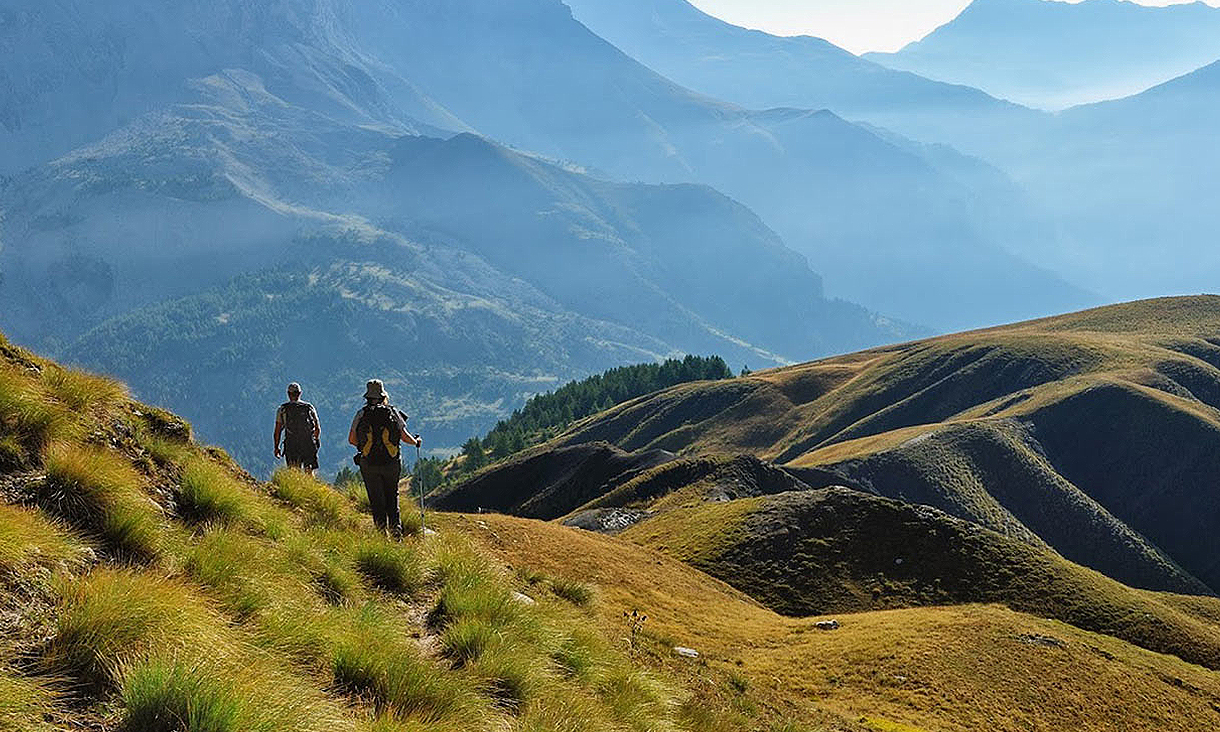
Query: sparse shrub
x=168, y=697
x=321, y=503
x=102, y=492
x=477, y=597
x=577, y=593
x=207, y=492
x=389, y=566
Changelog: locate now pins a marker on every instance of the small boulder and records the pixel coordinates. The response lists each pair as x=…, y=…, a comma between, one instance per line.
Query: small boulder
x=686, y=652
x=524, y=599
x=827, y=625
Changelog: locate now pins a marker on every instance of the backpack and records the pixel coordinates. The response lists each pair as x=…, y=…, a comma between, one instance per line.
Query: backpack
x=298, y=425
x=378, y=435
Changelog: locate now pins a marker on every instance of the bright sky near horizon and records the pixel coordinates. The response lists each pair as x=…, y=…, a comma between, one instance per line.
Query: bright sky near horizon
x=857, y=25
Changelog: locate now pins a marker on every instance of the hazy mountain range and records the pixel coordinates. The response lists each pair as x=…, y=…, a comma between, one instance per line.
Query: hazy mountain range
x=423, y=163
x=1053, y=55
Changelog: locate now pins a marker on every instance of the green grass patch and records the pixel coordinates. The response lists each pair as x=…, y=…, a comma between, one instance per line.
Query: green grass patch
x=28, y=539
x=169, y=697
x=100, y=491
x=322, y=504
x=376, y=662
x=466, y=640
x=390, y=566
x=208, y=492
x=24, y=704
x=112, y=618
x=577, y=593
x=29, y=419
x=81, y=391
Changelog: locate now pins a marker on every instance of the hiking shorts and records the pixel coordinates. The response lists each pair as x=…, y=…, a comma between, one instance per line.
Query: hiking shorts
x=302, y=457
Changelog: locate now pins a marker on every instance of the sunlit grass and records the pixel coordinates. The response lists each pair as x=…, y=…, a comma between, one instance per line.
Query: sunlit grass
x=322, y=504
x=24, y=703
x=81, y=391
x=29, y=419
x=390, y=566
x=99, y=489
x=112, y=618
x=207, y=492
x=28, y=539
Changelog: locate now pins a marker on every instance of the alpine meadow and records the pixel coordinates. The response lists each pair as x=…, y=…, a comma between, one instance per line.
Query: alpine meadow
x=609, y=366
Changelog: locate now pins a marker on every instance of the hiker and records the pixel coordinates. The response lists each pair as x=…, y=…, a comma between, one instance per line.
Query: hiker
x=377, y=431
x=298, y=422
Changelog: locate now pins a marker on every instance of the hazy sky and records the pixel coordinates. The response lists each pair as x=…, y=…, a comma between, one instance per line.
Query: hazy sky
x=857, y=25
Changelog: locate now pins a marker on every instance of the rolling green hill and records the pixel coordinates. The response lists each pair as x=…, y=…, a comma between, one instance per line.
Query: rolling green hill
x=1096, y=434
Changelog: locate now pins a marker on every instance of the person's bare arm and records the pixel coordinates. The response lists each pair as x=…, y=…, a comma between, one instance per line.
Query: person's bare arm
x=279, y=429
x=317, y=426
x=418, y=441
x=351, y=434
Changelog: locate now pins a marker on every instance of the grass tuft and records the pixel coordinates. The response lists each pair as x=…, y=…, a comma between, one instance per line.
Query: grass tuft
x=466, y=640
x=321, y=503
x=81, y=391
x=100, y=491
x=169, y=697
x=24, y=704
x=208, y=492
x=29, y=419
x=27, y=539
x=113, y=617
x=376, y=662
x=577, y=593
x=390, y=566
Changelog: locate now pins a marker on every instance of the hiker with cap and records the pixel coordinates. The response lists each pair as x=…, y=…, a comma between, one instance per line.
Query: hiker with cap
x=377, y=432
x=298, y=422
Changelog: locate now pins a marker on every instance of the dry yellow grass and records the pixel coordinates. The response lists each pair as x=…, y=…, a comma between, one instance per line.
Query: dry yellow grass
x=954, y=669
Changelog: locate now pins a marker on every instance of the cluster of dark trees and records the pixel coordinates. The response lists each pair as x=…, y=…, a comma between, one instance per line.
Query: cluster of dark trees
x=546, y=415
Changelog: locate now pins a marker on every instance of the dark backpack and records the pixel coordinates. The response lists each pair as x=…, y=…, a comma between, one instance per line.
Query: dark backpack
x=298, y=425
x=378, y=435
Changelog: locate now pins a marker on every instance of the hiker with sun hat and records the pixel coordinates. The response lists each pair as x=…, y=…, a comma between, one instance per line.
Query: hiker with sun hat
x=378, y=431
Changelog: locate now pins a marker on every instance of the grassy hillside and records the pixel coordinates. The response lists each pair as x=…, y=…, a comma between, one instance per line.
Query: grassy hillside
x=148, y=583
x=1096, y=434
x=945, y=669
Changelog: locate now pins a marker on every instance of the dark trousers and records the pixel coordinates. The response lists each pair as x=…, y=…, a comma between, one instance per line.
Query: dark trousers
x=381, y=483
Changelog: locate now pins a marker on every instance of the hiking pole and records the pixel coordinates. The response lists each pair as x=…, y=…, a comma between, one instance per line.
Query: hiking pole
x=423, y=526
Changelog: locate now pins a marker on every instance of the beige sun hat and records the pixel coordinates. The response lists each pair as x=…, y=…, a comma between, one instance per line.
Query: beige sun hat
x=375, y=389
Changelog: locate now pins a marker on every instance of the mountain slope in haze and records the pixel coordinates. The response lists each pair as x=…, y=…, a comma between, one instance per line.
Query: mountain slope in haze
x=1131, y=181
x=147, y=582
x=761, y=71
x=1094, y=434
x=838, y=193
x=434, y=231
x=1054, y=55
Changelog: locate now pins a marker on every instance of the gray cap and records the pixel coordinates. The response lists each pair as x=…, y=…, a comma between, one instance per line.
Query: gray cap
x=374, y=389
x=294, y=388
